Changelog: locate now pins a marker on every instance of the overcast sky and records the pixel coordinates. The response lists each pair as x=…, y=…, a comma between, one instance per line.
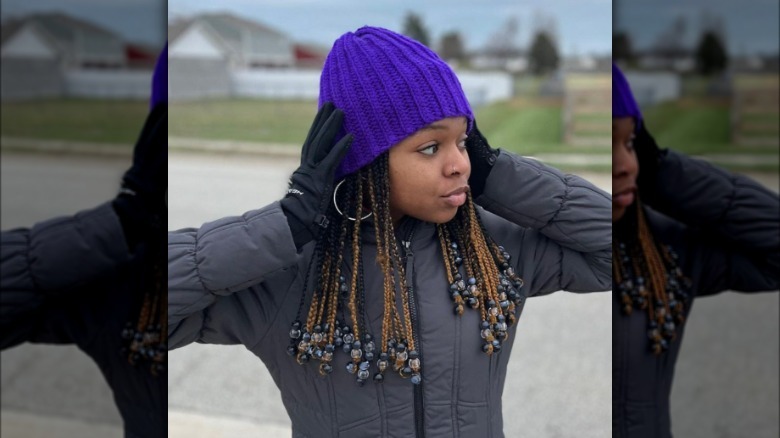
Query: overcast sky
x=584, y=26
x=135, y=20
x=751, y=25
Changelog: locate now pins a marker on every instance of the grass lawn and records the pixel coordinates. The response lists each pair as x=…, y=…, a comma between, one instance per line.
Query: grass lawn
x=243, y=120
x=101, y=121
x=697, y=127
x=518, y=126
x=527, y=125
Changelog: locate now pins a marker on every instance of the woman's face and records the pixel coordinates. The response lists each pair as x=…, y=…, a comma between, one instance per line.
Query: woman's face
x=429, y=172
x=625, y=166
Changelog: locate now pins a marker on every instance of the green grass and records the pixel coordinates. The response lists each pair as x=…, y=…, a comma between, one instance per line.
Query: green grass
x=527, y=130
x=696, y=127
x=243, y=120
x=101, y=121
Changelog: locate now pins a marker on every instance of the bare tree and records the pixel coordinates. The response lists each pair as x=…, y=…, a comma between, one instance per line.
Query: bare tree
x=503, y=43
x=415, y=29
x=451, y=47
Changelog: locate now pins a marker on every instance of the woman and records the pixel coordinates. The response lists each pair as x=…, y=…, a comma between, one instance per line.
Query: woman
x=377, y=272
x=682, y=229
x=95, y=280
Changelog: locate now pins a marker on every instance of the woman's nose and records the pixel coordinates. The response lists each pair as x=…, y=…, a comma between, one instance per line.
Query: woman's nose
x=458, y=162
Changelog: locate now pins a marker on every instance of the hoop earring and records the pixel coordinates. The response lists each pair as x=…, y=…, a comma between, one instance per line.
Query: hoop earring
x=335, y=204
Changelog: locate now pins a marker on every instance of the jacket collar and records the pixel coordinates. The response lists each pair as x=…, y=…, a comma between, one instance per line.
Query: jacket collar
x=419, y=230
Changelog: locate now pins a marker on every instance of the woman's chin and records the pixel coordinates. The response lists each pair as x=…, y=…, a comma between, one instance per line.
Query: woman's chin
x=618, y=213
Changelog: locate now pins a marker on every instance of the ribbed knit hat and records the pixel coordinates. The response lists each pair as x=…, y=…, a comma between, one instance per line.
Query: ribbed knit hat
x=160, y=79
x=623, y=103
x=389, y=86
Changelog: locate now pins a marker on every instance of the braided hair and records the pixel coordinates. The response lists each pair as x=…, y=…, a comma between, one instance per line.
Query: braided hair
x=648, y=278
x=335, y=316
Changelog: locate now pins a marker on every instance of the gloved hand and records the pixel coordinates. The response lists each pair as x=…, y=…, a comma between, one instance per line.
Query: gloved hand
x=482, y=158
x=311, y=186
x=140, y=204
x=649, y=156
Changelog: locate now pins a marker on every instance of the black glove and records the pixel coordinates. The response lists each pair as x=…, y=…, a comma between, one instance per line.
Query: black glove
x=140, y=204
x=311, y=186
x=649, y=156
x=482, y=158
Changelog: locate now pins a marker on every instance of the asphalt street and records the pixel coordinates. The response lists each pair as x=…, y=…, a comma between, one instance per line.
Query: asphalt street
x=558, y=383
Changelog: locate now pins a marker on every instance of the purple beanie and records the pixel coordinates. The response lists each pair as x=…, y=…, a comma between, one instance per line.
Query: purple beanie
x=389, y=86
x=160, y=79
x=623, y=103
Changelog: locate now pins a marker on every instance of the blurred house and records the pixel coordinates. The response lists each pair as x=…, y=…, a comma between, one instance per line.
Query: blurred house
x=206, y=49
x=48, y=55
x=310, y=56
x=512, y=61
x=222, y=55
x=141, y=56
x=75, y=43
x=243, y=43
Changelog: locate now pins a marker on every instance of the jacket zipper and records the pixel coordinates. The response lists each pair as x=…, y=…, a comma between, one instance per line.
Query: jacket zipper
x=418, y=389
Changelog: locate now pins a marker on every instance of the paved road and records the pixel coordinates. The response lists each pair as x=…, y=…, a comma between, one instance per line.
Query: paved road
x=727, y=375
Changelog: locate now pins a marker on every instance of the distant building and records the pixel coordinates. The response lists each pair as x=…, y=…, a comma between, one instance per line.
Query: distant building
x=514, y=61
x=141, y=56
x=310, y=56
x=47, y=55
x=72, y=42
x=220, y=55
x=241, y=43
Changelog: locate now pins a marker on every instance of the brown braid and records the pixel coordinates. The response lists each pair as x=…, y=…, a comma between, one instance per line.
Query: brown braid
x=368, y=190
x=644, y=271
x=146, y=338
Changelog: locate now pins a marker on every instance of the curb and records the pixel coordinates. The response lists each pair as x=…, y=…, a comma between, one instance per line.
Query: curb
x=182, y=144
x=65, y=147
x=288, y=150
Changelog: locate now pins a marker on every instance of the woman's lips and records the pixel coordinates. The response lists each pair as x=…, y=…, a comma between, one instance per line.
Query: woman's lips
x=623, y=199
x=455, y=200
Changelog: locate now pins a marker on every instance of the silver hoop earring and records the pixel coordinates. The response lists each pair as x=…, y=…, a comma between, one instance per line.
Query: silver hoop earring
x=335, y=204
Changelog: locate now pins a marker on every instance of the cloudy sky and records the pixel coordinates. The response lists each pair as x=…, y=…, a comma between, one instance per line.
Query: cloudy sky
x=135, y=20
x=584, y=26
x=751, y=25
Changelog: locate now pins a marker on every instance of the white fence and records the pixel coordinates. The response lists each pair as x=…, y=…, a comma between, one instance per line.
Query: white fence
x=194, y=81
x=653, y=88
x=107, y=84
x=480, y=88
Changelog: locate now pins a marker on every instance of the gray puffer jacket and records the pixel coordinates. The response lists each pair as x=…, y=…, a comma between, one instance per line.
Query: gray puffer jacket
x=725, y=229
x=238, y=281
x=73, y=280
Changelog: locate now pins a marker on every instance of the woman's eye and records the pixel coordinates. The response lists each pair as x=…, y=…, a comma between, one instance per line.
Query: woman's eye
x=630, y=144
x=430, y=149
x=462, y=143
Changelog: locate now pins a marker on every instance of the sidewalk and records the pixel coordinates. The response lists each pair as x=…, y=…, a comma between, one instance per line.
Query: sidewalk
x=183, y=144
x=191, y=425
x=16, y=424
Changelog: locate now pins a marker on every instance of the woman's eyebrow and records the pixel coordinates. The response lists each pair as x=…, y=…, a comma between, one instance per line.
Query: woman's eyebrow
x=437, y=126
x=433, y=126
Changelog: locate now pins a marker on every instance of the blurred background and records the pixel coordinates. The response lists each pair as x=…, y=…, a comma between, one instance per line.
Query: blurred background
x=537, y=73
x=74, y=94
x=244, y=82
x=706, y=76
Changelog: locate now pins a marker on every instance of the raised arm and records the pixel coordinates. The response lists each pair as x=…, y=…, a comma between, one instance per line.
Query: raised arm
x=228, y=269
